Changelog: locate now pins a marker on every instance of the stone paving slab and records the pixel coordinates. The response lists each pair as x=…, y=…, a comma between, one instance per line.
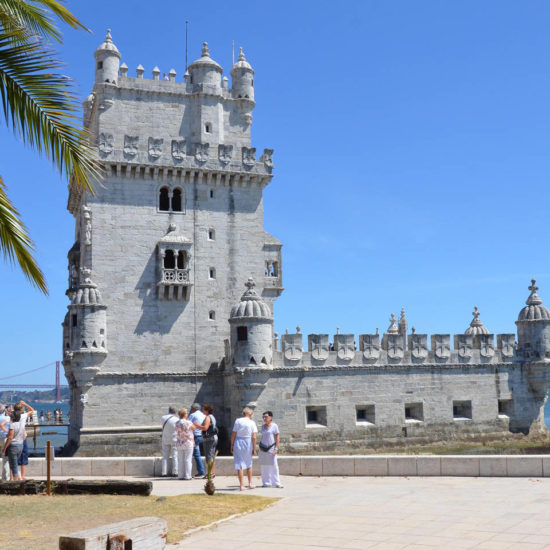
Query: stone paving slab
x=383, y=513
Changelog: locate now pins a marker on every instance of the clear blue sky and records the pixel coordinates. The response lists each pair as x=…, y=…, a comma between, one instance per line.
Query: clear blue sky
x=411, y=157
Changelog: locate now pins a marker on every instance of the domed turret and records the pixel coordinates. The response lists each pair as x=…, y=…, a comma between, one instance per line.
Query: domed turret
x=476, y=326
x=243, y=78
x=251, y=323
x=534, y=326
x=205, y=70
x=107, y=61
x=87, y=318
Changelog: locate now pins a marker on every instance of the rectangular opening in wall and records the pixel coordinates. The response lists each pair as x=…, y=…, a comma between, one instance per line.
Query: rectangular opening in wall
x=74, y=319
x=504, y=407
x=242, y=334
x=364, y=414
x=414, y=412
x=462, y=410
x=316, y=416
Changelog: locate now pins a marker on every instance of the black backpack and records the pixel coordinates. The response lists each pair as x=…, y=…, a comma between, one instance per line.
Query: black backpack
x=212, y=429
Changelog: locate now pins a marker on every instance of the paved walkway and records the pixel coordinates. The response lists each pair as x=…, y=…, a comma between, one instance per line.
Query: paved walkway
x=383, y=513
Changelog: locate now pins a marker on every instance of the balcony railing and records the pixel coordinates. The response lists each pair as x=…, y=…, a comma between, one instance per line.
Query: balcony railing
x=175, y=277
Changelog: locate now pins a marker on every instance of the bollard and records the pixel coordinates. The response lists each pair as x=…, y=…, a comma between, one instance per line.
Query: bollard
x=48, y=467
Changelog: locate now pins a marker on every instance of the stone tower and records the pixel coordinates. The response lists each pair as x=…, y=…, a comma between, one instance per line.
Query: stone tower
x=168, y=239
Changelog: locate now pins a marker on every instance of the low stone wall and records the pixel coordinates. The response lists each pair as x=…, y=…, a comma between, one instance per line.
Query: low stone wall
x=412, y=465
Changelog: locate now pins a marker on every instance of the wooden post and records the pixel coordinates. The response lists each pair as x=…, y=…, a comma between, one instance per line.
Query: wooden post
x=48, y=467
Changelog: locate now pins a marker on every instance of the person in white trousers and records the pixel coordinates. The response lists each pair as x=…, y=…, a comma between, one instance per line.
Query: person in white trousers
x=185, y=444
x=169, y=442
x=269, y=447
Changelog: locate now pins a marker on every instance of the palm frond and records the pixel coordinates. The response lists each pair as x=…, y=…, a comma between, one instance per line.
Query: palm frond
x=36, y=17
x=39, y=105
x=16, y=243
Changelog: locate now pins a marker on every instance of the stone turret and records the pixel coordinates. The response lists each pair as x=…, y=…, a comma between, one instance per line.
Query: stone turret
x=87, y=319
x=107, y=61
x=251, y=323
x=242, y=76
x=205, y=70
x=534, y=327
x=476, y=326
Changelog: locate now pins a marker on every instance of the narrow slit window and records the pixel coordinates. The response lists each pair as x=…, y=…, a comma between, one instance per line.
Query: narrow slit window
x=211, y=235
x=212, y=315
x=211, y=193
x=212, y=273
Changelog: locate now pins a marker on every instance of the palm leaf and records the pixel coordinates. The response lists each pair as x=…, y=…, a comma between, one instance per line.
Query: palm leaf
x=40, y=106
x=35, y=17
x=16, y=243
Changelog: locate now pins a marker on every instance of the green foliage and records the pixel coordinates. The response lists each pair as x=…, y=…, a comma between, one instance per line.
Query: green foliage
x=38, y=103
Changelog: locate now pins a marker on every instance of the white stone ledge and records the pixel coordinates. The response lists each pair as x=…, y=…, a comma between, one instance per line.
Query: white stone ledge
x=351, y=465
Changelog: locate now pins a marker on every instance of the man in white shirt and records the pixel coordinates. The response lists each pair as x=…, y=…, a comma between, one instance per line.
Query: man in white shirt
x=197, y=416
x=169, y=440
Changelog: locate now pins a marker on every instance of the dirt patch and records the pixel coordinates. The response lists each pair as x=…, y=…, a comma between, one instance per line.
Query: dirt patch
x=37, y=521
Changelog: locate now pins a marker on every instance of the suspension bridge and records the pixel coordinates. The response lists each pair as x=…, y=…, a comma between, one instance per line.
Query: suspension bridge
x=58, y=386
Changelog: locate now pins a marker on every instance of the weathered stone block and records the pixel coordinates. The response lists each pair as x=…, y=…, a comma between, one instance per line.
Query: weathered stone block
x=492, y=466
x=402, y=465
x=338, y=466
x=75, y=467
x=289, y=465
x=428, y=465
x=311, y=465
x=524, y=466
x=371, y=466
x=139, y=466
x=102, y=466
x=460, y=466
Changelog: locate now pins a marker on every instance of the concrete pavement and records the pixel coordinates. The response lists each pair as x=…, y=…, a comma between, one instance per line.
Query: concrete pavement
x=386, y=513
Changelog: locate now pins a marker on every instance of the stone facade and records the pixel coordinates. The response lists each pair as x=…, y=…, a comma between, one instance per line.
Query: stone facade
x=161, y=252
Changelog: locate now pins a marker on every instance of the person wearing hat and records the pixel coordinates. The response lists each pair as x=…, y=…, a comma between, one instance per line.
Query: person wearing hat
x=197, y=417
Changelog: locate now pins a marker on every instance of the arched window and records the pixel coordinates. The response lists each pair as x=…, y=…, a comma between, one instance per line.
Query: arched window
x=164, y=199
x=169, y=260
x=182, y=259
x=176, y=200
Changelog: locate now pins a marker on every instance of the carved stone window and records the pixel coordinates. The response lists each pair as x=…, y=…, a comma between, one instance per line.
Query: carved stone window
x=170, y=200
x=174, y=258
x=212, y=315
x=208, y=127
x=212, y=273
x=211, y=235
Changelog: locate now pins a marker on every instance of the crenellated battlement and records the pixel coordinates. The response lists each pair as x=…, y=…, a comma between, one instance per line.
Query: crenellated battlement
x=391, y=349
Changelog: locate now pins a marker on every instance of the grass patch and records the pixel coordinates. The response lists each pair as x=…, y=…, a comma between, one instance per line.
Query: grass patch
x=37, y=521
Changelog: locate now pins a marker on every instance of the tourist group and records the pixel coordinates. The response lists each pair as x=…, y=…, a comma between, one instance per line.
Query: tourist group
x=13, y=438
x=183, y=435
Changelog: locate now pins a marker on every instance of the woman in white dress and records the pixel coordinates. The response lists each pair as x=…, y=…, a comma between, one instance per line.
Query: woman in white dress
x=243, y=446
x=269, y=447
